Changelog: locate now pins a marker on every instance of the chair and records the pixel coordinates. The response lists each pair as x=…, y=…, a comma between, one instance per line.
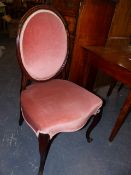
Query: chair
x=50, y=106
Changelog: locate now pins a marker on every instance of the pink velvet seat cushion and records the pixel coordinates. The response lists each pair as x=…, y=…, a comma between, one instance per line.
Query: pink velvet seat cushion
x=57, y=106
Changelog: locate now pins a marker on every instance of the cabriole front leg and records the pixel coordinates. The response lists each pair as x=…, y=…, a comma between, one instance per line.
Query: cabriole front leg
x=96, y=119
x=44, y=145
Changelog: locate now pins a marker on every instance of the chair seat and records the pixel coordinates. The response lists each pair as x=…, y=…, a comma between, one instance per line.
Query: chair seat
x=57, y=106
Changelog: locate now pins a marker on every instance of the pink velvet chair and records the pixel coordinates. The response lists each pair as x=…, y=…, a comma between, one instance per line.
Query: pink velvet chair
x=50, y=106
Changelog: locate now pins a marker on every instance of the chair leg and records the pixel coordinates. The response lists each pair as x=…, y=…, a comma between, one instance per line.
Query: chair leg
x=120, y=87
x=44, y=145
x=112, y=85
x=21, y=119
x=96, y=119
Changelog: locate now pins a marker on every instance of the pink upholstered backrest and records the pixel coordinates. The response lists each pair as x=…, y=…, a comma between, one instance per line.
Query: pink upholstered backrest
x=43, y=44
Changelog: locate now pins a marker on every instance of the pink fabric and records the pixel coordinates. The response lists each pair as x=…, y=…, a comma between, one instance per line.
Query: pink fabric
x=57, y=106
x=43, y=44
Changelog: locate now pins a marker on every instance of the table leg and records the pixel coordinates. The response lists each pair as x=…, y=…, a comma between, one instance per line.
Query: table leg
x=122, y=116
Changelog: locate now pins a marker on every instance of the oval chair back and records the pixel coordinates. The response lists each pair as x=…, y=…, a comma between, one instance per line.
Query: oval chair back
x=42, y=43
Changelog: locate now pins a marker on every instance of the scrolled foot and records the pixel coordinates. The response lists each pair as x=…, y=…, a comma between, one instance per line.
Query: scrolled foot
x=89, y=139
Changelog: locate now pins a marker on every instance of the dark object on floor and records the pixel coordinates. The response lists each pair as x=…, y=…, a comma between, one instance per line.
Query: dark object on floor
x=52, y=106
x=12, y=25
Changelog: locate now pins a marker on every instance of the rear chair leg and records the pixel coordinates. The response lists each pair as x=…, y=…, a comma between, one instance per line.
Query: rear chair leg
x=96, y=119
x=21, y=119
x=24, y=83
x=112, y=85
x=44, y=145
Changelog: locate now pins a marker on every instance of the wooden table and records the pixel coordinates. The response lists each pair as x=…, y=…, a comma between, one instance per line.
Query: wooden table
x=116, y=63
